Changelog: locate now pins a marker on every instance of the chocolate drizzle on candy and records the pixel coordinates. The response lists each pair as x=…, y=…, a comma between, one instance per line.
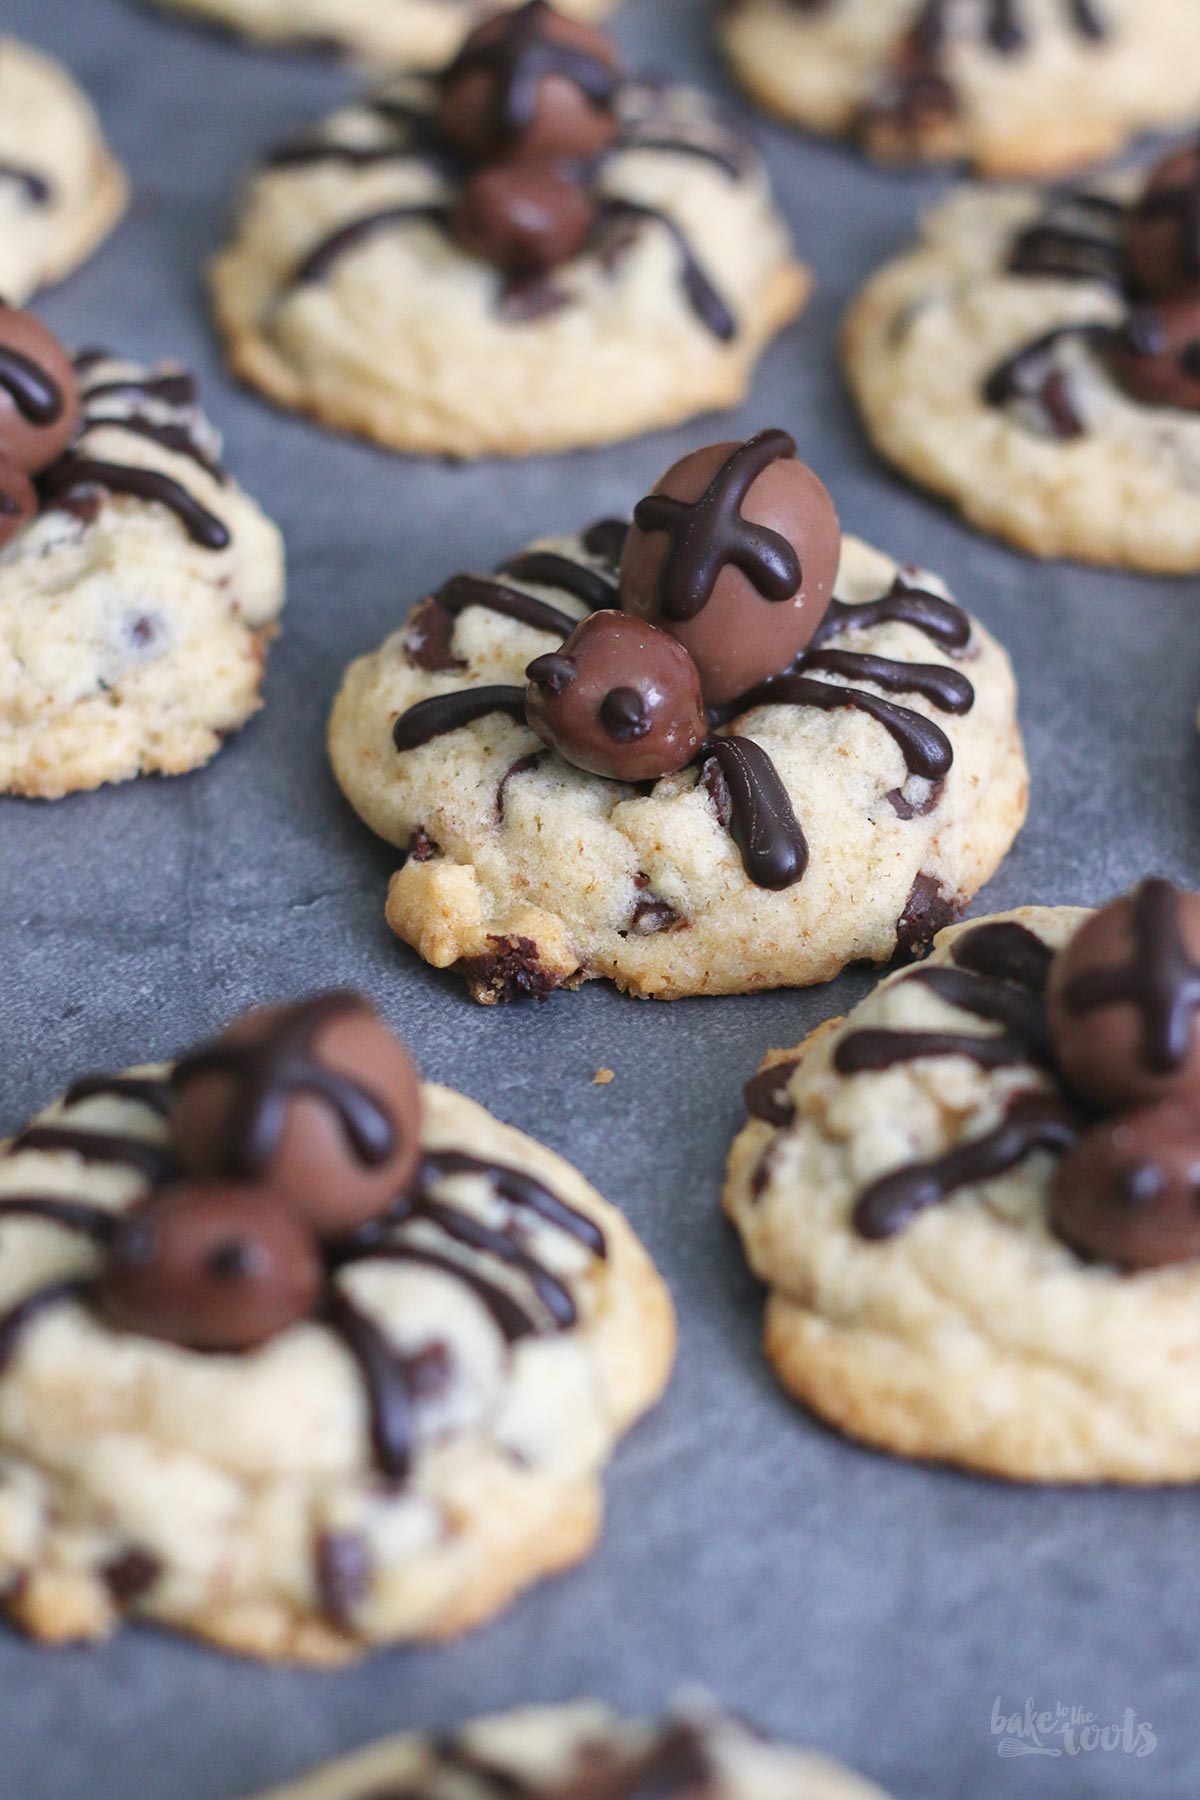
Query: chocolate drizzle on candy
x=917, y=93
x=49, y=409
x=518, y=132
x=624, y=706
x=1114, y=1019
x=295, y=1109
x=1147, y=252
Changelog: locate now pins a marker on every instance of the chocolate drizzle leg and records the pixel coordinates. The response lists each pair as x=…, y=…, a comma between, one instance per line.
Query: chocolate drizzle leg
x=1162, y=981
x=1033, y=1122
x=752, y=798
x=496, y=1260
x=1000, y=977
x=708, y=534
x=762, y=823
x=133, y=404
x=272, y=1070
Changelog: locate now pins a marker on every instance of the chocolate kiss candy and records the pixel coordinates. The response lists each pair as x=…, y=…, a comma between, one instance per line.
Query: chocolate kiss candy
x=620, y=699
x=1129, y=1191
x=212, y=1266
x=317, y=1101
x=525, y=217
x=18, y=501
x=531, y=83
x=1162, y=230
x=39, y=393
x=1123, y=1000
x=1156, y=355
x=735, y=553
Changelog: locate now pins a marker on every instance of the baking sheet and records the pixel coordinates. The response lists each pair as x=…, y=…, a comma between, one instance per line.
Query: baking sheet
x=875, y=1609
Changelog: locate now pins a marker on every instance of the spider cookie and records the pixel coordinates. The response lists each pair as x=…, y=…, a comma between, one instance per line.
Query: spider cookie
x=529, y=251
x=718, y=750
x=583, y=1751
x=1037, y=362
x=300, y=1354
x=139, y=586
x=410, y=34
x=1016, y=87
x=61, y=191
x=974, y=1200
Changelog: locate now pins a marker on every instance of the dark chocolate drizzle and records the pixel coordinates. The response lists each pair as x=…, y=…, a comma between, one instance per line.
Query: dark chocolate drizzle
x=1077, y=238
x=753, y=803
x=1032, y=1122
x=68, y=481
x=517, y=58
x=917, y=86
x=432, y=718
x=331, y=249
x=762, y=823
x=766, y=1094
x=1000, y=977
x=926, y=749
x=1034, y=377
x=33, y=391
x=74, y=475
x=417, y=142
x=709, y=534
x=36, y=189
x=546, y=568
x=1161, y=982
x=154, y=1161
x=271, y=1070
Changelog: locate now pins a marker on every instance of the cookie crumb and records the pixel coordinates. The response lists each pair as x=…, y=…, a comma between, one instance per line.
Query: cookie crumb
x=602, y=1077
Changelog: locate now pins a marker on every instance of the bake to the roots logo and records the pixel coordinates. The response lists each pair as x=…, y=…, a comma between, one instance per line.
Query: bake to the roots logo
x=1064, y=1730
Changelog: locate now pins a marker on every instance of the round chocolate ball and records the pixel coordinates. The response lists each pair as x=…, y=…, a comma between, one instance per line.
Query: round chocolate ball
x=620, y=699
x=18, y=501
x=39, y=392
x=318, y=1101
x=1123, y=1000
x=531, y=83
x=735, y=553
x=1155, y=356
x=1162, y=229
x=1129, y=1192
x=525, y=217
x=212, y=1266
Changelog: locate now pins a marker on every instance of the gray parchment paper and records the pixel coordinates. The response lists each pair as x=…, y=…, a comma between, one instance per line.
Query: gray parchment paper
x=876, y=1609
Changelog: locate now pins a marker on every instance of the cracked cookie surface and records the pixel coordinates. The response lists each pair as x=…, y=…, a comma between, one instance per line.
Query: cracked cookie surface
x=893, y=1190
x=61, y=190
x=1017, y=87
x=397, y=1466
x=529, y=874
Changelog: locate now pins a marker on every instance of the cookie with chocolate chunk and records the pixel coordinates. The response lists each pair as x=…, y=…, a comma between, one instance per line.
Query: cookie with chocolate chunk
x=717, y=750
x=61, y=189
x=139, y=586
x=1036, y=361
x=409, y=34
x=975, y=1201
x=584, y=1751
x=529, y=250
x=345, y=1355
x=1015, y=87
